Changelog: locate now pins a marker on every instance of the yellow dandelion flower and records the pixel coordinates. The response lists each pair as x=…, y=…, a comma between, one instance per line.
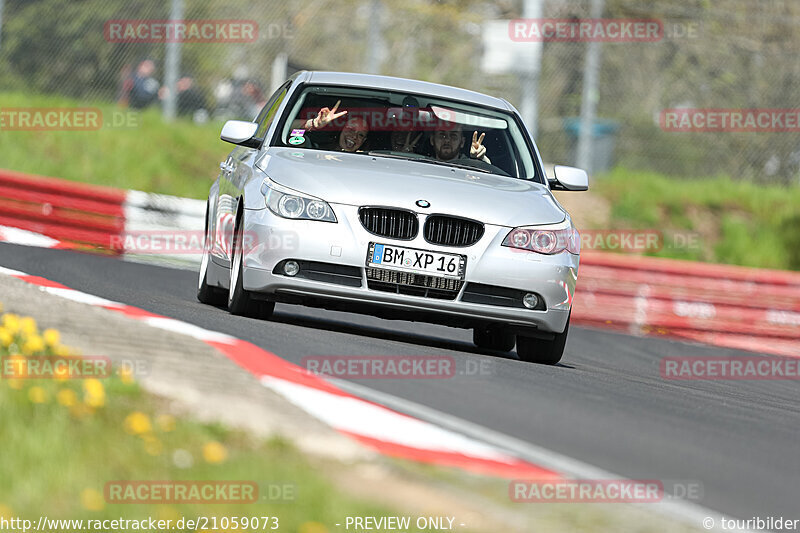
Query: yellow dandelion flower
x=33, y=344
x=137, y=423
x=214, y=452
x=166, y=512
x=51, y=337
x=6, y=338
x=11, y=323
x=5, y=511
x=15, y=384
x=312, y=527
x=152, y=445
x=62, y=351
x=80, y=410
x=126, y=375
x=27, y=325
x=37, y=395
x=166, y=423
x=94, y=394
x=67, y=397
x=92, y=500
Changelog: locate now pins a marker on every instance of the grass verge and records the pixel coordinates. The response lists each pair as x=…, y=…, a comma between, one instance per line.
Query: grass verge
x=65, y=439
x=735, y=222
x=130, y=150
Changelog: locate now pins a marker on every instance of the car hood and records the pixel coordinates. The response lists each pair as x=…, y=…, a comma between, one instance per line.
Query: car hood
x=358, y=179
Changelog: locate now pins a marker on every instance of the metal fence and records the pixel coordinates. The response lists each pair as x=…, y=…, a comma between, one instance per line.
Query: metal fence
x=738, y=56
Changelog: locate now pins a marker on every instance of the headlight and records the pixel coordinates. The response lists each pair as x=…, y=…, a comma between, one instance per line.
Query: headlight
x=287, y=203
x=549, y=240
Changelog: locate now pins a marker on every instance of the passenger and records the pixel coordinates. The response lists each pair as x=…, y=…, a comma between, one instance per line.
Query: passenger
x=402, y=142
x=353, y=134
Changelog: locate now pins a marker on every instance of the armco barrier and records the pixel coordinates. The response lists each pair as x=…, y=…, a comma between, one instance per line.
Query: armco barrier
x=79, y=215
x=745, y=308
x=63, y=210
x=736, y=307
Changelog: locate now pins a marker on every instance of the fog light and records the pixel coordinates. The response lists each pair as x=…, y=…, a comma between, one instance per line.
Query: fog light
x=291, y=268
x=530, y=300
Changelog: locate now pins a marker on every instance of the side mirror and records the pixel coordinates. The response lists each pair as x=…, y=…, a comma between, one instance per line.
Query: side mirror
x=569, y=179
x=241, y=133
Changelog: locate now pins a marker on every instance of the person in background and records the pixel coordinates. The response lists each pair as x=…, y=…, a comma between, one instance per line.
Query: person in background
x=144, y=89
x=125, y=85
x=190, y=99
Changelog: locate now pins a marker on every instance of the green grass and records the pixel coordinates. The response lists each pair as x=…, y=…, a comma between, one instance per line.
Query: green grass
x=736, y=222
x=141, y=152
x=57, y=458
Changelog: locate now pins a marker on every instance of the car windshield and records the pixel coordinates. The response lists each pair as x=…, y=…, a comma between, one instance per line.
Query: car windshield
x=399, y=125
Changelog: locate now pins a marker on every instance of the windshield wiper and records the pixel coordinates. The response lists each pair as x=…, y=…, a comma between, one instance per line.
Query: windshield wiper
x=456, y=165
x=423, y=159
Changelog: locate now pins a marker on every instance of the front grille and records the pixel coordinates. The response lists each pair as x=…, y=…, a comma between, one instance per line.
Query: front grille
x=391, y=223
x=379, y=279
x=452, y=231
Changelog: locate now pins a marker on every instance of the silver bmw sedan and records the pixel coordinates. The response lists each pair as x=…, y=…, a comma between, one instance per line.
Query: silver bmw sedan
x=397, y=198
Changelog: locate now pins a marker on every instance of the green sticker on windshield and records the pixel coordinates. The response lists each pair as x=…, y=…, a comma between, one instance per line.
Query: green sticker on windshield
x=297, y=139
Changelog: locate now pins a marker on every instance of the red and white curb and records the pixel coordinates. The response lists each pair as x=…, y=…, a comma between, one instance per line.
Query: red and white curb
x=389, y=432
x=29, y=238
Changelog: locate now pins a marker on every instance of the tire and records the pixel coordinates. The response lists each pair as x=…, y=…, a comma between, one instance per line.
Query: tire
x=205, y=292
x=493, y=338
x=542, y=351
x=240, y=302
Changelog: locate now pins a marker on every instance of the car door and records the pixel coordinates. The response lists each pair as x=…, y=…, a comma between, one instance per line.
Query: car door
x=235, y=172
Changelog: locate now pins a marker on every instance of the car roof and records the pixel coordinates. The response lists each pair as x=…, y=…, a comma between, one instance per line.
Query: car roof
x=405, y=85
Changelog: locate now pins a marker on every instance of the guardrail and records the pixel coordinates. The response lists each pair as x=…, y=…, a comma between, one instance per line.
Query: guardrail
x=64, y=210
x=78, y=215
x=736, y=307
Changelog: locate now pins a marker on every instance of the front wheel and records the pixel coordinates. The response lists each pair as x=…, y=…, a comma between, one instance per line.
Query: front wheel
x=542, y=351
x=239, y=300
x=493, y=338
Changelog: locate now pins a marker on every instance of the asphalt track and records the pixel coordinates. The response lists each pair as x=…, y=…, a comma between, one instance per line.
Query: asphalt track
x=606, y=405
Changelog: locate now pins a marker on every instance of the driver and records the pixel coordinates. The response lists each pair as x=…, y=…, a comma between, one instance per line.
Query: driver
x=448, y=140
x=353, y=134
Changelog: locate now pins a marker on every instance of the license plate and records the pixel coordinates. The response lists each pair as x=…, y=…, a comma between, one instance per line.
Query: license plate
x=417, y=261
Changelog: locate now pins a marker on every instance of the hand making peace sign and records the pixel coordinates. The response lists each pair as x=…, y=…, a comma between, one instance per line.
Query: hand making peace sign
x=408, y=145
x=477, y=150
x=325, y=117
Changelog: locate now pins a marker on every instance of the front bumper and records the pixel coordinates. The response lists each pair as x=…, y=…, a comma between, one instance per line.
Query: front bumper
x=275, y=239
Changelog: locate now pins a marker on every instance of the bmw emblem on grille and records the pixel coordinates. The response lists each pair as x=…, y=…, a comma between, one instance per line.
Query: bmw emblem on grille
x=423, y=203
